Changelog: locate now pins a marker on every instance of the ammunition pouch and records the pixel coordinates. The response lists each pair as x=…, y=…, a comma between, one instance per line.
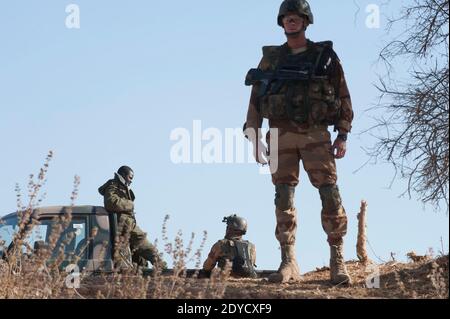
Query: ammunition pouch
x=312, y=102
x=323, y=105
x=311, y=99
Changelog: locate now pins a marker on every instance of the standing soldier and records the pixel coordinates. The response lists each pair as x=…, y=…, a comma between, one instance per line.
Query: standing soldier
x=300, y=88
x=241, y=254
x=119, y=199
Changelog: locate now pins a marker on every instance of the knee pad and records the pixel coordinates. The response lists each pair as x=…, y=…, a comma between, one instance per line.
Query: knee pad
x=331, y=199
x=284, y=196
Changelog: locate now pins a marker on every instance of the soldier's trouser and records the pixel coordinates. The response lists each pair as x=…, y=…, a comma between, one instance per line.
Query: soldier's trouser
x=313, y=147
x=139, y=245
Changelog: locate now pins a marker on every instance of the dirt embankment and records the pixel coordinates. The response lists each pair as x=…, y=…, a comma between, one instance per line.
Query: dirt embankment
x=425, y=279
x=421, y=279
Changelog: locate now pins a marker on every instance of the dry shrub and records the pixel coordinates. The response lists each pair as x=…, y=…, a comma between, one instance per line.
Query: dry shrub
x=26, y=272
x=180, y=284
x=162, y=284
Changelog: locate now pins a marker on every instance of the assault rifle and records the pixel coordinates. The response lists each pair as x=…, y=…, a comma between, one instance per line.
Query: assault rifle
x=304, y=72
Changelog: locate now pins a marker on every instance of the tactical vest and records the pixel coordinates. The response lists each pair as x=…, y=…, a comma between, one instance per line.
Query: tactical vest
x=239, y=253
x=314, y=101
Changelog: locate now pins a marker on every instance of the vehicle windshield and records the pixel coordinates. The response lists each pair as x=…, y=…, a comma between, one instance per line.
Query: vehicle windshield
x=72, y=238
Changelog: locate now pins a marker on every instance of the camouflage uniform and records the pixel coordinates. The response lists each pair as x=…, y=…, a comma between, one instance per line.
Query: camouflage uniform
x=233, y=250
x=310, y=143
x=224, y=252
x=301, y=111
x=119, y=199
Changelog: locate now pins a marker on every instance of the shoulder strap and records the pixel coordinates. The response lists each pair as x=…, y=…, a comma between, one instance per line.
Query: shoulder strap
x=321, y=47
x=325, y=44
x=270, y=51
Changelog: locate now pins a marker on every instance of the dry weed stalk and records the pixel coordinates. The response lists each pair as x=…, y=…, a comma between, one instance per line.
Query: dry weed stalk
x=362, y=238
x=26, y=273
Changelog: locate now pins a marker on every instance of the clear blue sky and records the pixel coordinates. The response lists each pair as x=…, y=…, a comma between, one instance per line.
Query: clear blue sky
x=111, y=92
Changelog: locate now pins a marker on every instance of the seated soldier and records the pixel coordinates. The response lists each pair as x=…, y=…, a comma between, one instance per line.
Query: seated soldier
x=119, y=199
x=240, y=254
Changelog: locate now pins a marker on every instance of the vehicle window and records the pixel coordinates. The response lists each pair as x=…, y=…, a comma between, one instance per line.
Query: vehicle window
x=101, y=244
x=7, y=229
x=39, y=233
x=72, y=238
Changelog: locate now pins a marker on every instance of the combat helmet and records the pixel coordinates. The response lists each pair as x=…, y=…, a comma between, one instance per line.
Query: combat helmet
x=300, y=6
x=235, y=224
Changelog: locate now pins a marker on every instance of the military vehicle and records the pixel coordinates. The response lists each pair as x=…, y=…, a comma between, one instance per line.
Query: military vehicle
x=90, y=235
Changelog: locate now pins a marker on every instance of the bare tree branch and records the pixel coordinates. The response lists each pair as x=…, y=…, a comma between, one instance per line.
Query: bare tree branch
x=416, y=113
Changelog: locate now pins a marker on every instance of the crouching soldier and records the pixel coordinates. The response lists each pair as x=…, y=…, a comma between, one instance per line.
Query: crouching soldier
x=119, y=199
x=233, y=250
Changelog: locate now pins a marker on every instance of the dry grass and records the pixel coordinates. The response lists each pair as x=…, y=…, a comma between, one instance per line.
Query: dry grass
x=30, y=275
x=426, y=280
x=131, y=284
x=26, y=274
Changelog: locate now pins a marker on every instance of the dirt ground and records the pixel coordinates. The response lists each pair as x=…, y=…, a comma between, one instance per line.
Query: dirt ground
x=426, y=279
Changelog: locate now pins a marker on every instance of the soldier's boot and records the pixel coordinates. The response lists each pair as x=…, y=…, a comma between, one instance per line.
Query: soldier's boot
x=151, y=254
x=158, y=262
x=289, y=269
x=142, y=248
x=338, y=270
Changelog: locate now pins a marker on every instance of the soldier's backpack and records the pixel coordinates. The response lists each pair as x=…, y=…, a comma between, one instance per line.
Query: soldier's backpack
x=242, y=264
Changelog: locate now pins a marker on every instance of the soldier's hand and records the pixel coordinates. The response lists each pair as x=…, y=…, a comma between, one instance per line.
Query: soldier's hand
x=339, y=148
x=260, y=152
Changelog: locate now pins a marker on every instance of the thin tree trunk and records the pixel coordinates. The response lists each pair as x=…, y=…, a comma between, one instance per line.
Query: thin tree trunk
x=361, y=250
